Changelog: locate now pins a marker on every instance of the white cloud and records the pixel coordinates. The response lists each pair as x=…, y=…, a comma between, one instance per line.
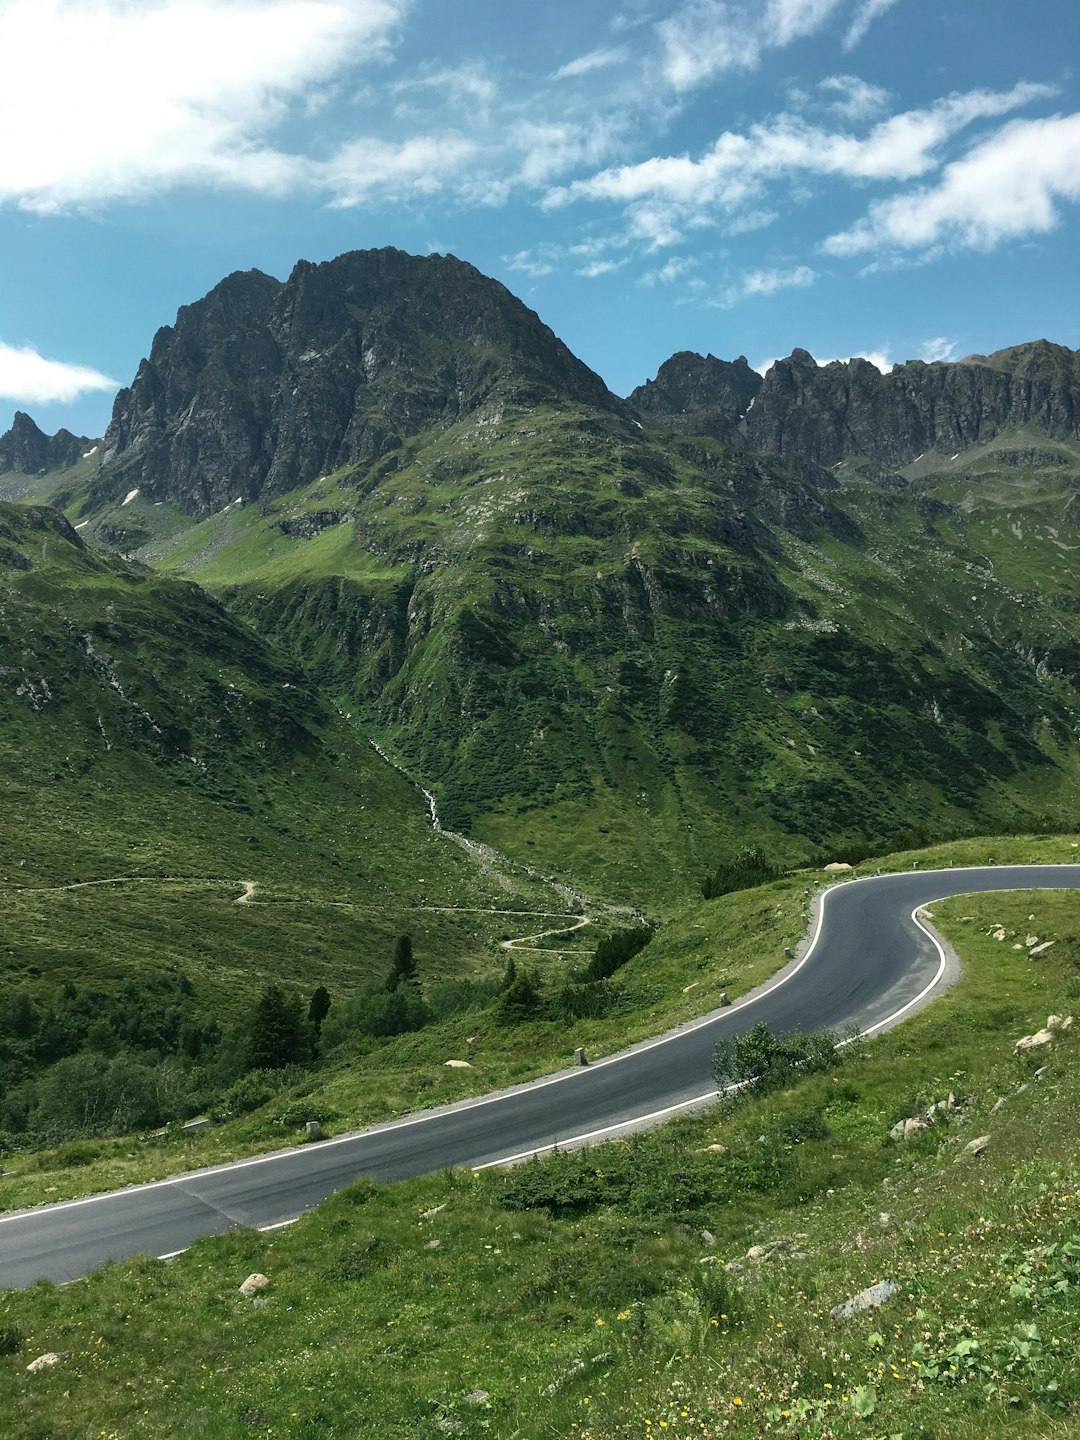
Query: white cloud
x=111, y=99
x=708, y=37
x=422, y=165
x=600, y=267
x=675, y=268
x=865, y=16
x=528, y=263
x=27, y=377
x=666, y=194
x=855, y=98
x=939, y=348
x=766, y=282
x=594, y=60
x=1007, y=186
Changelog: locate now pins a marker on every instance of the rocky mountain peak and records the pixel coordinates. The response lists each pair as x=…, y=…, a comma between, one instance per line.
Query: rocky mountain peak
x=27, y=449
x=269, y=384
x=698, y=394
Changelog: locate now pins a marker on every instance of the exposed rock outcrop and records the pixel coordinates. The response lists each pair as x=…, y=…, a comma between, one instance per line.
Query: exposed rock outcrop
x=26, y=448
x=264, y=384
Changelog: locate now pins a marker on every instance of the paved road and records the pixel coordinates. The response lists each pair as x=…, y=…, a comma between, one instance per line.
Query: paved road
x=869, y=964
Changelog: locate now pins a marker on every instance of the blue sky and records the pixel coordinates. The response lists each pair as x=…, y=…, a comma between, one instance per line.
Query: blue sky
x=891, y=178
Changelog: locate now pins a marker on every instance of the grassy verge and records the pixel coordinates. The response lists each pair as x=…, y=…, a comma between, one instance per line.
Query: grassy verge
x=607, y=1294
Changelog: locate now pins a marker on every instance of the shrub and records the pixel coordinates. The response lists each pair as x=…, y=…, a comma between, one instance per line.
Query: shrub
x=749, y=868
x=615, y=950
x=760, y=1061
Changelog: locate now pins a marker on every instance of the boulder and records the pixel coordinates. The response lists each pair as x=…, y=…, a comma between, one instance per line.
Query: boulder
x=46, y=1361
x=458, y=1064
x=1041, y=949
x=835, y=867
x=254, y=1283
x=868, y=1299
x=1032, y=1042
x=977, y=1146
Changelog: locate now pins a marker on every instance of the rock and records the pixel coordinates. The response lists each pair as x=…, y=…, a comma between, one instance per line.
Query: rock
x=476, y=1397
x=913, y=1126
x=844, y=409
x=331, y=367
x=254, y=1283
x=708, y=1238
x=1030, y=940
x=1041, y=949
x=46, y=1361
x=733, y=1267
x=432, y=1244
x=601, y=1361
x=884, y=1219
x=435, y=1210
x=699, y=395
x=756, y=1253
x=999, y=934
x=977, y=1146
x=573, y=1369
x=313, y=1130
x=458, y=1065
x=448, y=1423
x=717, y=1148
x=868, y=1299
x=998, y=1103
x=1032, y=1042
x=835, y=867
x=1058, y=1022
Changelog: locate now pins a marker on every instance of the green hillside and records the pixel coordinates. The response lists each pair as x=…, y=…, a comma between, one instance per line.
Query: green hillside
x=643, y=653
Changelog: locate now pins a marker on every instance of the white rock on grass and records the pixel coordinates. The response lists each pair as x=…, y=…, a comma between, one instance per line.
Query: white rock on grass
x=1032, y=1042
x=46, y=1361
x=254, y=1283
x=868, y=1299
x=1041, y=949
x=458, y=1064
x=977, y=1146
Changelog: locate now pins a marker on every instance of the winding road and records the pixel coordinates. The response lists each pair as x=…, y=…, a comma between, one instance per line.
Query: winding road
x=869, y=962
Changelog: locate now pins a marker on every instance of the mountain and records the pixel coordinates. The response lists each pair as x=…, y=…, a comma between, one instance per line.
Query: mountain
x=621, y=648
x=26, y=450
x=265, y=386
x=698, y=395
x=829, y=413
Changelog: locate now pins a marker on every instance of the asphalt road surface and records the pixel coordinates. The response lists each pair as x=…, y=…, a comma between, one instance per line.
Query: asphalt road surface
x=869, y=964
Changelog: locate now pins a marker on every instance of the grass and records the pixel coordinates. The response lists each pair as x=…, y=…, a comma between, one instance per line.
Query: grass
x=474, y=1305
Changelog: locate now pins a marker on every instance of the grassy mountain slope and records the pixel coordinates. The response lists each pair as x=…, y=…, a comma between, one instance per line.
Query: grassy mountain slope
x=149, y=737
x=643, y=653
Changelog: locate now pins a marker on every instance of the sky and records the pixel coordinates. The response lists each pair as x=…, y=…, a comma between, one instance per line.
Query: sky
x=891, y=178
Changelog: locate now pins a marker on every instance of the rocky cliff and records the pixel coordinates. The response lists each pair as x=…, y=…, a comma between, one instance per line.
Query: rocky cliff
x=28, y=450
x=264, y=385
x=826, y=413
x=698, y=395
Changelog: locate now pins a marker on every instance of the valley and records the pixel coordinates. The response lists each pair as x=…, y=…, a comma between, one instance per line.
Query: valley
x=382, y=698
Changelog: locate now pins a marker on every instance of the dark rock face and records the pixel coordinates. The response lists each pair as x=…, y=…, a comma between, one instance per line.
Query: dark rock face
x=30, y=451
x=826, y=413
x=264, y=385
x=698, y=394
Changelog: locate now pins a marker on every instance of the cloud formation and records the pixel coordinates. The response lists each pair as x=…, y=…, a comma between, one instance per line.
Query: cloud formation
x=114, y=100
x=29, y=379
x=1007, y=186
x=705, y=38
x=666, y=195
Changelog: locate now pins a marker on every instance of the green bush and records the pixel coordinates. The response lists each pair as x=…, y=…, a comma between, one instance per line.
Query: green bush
x=760, y=1061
